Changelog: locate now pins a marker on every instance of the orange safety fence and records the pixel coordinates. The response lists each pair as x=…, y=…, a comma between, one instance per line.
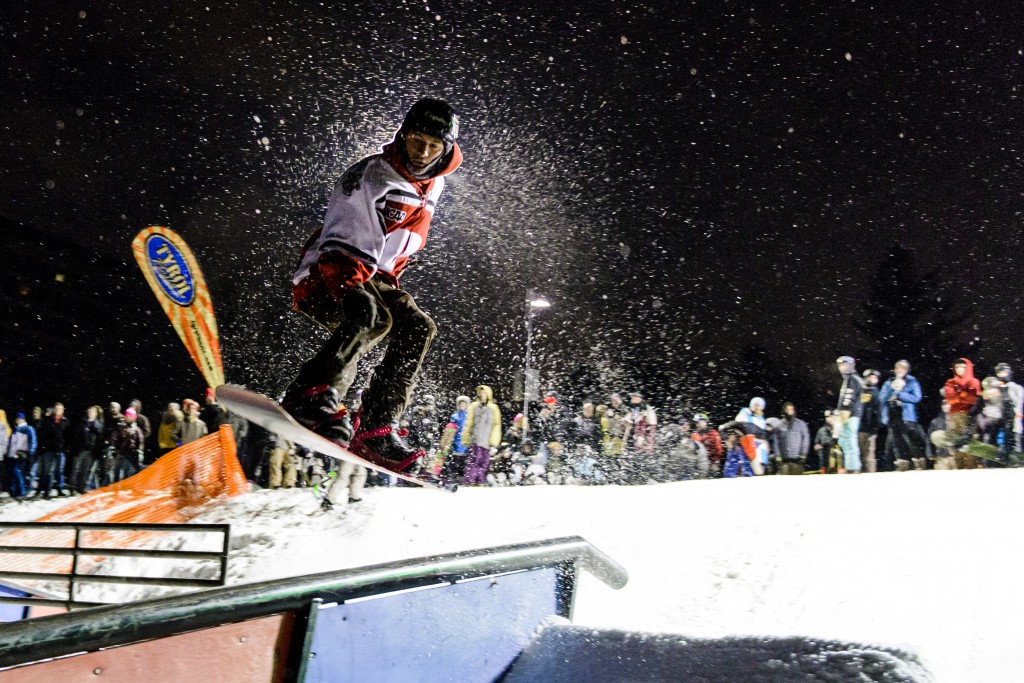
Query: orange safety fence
x=178, y=487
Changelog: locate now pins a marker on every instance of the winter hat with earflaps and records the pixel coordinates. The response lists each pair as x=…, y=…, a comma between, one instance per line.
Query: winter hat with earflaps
x=991, y=383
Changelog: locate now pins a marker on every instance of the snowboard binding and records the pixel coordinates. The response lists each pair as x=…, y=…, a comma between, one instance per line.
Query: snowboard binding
x=320, y=410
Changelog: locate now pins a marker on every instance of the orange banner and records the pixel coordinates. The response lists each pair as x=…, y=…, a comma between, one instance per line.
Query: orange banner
x=173, y=274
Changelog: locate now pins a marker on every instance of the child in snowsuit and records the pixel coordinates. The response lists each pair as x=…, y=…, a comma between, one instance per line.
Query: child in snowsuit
x=740, y=450
x=823, y=444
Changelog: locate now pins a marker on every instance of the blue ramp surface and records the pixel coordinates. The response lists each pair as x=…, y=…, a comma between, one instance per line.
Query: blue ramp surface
x=459, y=632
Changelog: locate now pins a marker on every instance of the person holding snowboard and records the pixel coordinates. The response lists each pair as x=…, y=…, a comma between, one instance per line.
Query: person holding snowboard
x=347, y=281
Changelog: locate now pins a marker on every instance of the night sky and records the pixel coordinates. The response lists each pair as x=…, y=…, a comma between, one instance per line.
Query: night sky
x=685, y=181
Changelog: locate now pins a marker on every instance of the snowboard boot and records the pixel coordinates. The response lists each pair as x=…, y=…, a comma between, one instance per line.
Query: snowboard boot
x=320, y=410
x=383, y=446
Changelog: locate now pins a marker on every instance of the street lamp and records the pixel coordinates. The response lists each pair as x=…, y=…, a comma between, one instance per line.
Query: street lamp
x=533, y=301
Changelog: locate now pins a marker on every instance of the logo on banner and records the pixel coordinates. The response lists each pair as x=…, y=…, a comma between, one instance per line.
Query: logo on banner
x=171, y=271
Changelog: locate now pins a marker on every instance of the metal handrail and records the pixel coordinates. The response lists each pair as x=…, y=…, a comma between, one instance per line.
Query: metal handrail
x=103, y=627
x=77, y=550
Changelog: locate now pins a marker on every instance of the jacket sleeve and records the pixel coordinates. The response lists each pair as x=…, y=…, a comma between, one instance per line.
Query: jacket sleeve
x=885, y=393
x=33, y=443
x=467, y=428
x=847, y=395
x=950, y=391
x=911, y=393
x=716, y=441
x=805, y=440
x=496, y=426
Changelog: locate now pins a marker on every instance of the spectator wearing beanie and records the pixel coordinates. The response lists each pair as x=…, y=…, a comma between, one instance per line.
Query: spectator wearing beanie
x=191, y=427
x=849, y=410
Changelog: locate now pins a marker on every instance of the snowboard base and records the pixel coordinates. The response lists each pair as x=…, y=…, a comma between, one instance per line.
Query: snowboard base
x=271, y=416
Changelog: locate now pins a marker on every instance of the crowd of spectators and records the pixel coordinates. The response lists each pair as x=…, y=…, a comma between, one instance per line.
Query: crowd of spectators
x=873, y=427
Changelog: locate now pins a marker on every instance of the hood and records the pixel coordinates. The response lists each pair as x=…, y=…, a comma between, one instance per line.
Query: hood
x=969, y=375
x=460, y=399
x=757, y=400
x=487, y=392
x=393, y=155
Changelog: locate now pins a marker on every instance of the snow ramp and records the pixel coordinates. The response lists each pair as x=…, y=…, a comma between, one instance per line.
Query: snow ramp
x=176, y=488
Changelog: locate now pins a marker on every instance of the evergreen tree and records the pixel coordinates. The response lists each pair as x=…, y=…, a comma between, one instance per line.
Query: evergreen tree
x=759, y=372
x=913, y=316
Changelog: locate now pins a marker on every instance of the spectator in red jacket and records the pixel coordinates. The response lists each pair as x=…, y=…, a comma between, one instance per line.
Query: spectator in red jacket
x=961, y=393
x=712, y=441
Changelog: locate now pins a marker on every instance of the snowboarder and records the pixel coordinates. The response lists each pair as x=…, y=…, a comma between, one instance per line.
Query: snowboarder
x=347, y=281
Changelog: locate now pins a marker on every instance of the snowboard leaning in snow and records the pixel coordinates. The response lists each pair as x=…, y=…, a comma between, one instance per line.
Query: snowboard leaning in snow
x=271, y=416
x=974, y=448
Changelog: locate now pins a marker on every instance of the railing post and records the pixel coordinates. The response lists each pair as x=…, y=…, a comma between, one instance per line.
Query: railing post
x=72, y=583
x=568, y=578
x=224, y=556
x=302, y=642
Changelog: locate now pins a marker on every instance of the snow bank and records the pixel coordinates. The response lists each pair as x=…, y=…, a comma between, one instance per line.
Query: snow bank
x=921, y=561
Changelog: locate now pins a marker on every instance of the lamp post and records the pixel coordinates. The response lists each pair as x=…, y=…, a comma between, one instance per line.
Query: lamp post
x=533, y=300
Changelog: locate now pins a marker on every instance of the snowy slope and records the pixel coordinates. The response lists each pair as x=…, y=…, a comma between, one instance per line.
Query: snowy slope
x=928, y=561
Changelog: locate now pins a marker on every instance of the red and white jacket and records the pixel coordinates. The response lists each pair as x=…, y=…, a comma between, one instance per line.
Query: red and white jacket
x=378, y=215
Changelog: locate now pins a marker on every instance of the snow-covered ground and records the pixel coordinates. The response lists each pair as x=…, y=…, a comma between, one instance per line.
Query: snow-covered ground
x=929, y=561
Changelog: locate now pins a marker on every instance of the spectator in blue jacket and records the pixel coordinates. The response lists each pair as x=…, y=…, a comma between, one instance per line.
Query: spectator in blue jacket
x=459, y=418
x=20, y=449
x=454, y=468
x=906, y=443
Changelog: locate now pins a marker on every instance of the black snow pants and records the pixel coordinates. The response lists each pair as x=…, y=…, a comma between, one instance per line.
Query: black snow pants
x=362, y=318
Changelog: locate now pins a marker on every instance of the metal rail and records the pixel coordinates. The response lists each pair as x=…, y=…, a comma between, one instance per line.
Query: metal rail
x=77, y=550
x=111, y=626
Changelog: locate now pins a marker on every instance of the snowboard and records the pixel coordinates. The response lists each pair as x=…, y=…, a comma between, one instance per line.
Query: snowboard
x=268, y=414
x=445, y=447
x=321, y=488
x=974, y=448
